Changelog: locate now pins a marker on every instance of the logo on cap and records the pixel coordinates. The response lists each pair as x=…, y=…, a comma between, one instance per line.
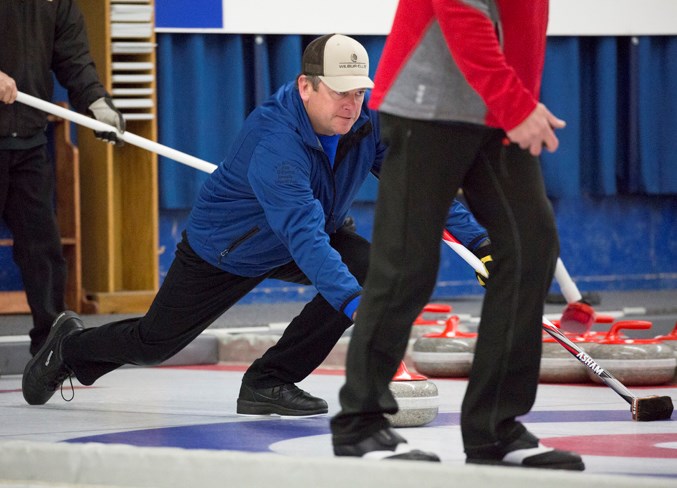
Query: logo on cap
x=353, y=63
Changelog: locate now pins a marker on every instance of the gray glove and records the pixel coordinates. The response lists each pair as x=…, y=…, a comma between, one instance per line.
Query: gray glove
x=104, y=111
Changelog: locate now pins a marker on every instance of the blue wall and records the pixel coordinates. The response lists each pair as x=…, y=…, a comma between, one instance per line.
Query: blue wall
x=608, y=243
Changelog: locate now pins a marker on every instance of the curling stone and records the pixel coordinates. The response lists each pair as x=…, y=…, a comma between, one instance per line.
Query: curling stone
x=557, y=363
x=431, y=319
x=447, y=354
x=633, y=361
x=417, y=399
x=671, y=340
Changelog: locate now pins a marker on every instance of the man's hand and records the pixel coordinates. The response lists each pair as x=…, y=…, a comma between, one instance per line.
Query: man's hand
x=8, y=89
x=484, y=254
x=537, y=131
x=104, y=111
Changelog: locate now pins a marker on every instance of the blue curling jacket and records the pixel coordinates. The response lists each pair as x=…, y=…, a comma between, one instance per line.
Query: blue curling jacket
x=275, y=198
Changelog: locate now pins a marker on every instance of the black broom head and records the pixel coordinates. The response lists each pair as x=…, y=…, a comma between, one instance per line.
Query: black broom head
x=651, y=408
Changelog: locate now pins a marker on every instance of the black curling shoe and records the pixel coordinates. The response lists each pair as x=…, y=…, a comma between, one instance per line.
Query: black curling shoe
x=384, y=444
x=286, y=399
x=528, y=452
x=44, y=373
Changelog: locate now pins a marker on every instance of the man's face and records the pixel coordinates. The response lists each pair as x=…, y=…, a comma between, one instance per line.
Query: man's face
x=330, y=112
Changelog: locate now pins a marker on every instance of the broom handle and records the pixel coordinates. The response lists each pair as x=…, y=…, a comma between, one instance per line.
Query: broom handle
x=566, y=284
x=125, y=136
x=548, y=326
x=464, y=253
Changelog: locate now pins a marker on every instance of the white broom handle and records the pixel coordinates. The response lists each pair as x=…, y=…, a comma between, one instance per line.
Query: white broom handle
x=464, y=253
x=128, y=137
x=566, y=284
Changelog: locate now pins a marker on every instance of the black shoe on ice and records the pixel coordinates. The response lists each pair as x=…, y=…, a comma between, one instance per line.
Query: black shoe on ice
x=45, y=372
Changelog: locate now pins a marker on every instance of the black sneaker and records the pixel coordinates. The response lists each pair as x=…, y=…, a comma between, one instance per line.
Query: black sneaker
x=384, y=444
x=46, y=371
x=281, y=400
x=528, y=452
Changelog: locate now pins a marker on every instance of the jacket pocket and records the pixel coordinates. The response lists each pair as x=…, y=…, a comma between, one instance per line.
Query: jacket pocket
x=237, y=242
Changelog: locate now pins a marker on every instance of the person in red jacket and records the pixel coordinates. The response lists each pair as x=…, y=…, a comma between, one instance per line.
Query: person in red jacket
x=457, y=87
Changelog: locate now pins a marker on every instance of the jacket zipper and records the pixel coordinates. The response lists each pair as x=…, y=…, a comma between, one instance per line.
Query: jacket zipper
x=237, y=242
x=333, y=183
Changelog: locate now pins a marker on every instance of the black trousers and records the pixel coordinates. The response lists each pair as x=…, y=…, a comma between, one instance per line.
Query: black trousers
x=426, y=164
x=27, y=207
x=194, y=294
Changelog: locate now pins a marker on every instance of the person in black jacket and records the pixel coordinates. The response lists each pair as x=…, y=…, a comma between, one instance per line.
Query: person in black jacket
x=56, y=43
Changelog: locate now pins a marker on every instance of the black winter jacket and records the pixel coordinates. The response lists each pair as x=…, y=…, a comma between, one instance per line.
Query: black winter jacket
x=38, y=37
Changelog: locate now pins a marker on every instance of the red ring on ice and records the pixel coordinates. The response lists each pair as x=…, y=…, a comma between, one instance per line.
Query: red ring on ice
x=620, y=445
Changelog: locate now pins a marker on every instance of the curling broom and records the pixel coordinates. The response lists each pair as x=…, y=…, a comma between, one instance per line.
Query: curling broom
x=642, y=409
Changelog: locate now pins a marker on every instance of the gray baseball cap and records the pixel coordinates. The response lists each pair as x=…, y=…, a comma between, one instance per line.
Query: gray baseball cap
x=340, y=61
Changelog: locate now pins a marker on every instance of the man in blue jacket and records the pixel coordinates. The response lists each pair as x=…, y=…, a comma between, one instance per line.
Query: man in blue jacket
x=274, y=208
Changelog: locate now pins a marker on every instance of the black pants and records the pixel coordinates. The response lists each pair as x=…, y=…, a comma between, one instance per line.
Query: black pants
x=194, y=294
x=27, y=207
x=426, y=164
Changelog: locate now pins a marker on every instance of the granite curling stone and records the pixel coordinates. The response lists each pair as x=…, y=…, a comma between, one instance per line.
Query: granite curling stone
x=634, y=362
x=447, y=354
x=671, y=340
x=417, y=399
